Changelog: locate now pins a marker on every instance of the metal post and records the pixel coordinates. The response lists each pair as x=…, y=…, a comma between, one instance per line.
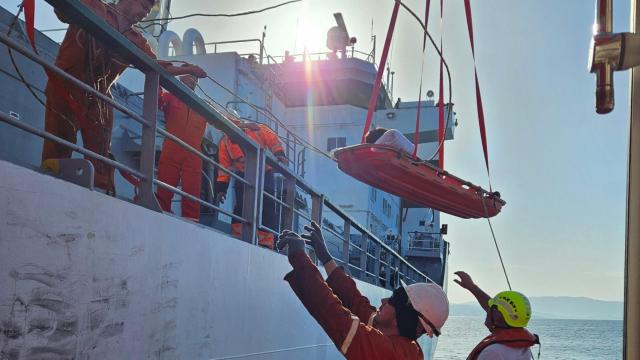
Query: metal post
x=393, y=73
x=387, y=273
x=364, y=243
x=373, y=51
x=264, y=34
x=251, y=195
x=376, y=268
x=317, y=202
x=345, y=244
x=632, y=249
x=290, y=195
x=388, y=78
x=148, y=147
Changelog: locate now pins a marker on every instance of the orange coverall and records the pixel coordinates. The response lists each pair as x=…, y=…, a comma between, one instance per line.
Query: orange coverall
x=69, y=109
x=177, y=163
x=230, y=156
x=345, y=314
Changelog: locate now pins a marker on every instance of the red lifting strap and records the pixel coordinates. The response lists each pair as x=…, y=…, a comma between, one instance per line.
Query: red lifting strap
x=441, y=128
x=483, y=132
x=417, y=181
x=383, y=60
x=29, y=7
x=56, y=82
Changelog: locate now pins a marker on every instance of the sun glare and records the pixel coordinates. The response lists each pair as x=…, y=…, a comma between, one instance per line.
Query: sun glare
x=310, y=37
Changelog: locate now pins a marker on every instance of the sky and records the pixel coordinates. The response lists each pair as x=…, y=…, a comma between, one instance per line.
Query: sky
x=560, y=166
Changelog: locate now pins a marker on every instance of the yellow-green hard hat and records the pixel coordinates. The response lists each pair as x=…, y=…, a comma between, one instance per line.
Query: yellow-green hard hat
x=514, y=307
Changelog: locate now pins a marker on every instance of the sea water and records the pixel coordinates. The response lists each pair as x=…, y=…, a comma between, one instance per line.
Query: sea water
x=561, y=339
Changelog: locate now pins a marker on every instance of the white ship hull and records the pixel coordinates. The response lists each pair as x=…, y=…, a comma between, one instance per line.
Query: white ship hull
x=85, y=276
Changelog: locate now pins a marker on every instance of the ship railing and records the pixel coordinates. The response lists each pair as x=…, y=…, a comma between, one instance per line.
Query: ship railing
x=320, y=55
x=295, y=149
x=425, y=241
x=363, y=254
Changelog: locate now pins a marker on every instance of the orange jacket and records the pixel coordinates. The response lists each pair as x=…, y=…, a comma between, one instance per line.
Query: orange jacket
x=89, y=60
x=512, y=337
x=182, y=122
x=230, y=155
x=345, y=314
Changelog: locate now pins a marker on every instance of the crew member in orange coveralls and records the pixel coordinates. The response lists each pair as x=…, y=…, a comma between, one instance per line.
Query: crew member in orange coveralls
x=69, y=108
x=177, y=163
x=357, y=329
x=230, y=156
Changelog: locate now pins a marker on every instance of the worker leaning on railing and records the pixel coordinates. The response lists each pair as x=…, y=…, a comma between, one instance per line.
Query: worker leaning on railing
x=69, y=108
x=231, y=156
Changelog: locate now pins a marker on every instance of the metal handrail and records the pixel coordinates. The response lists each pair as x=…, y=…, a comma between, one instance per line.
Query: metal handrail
x=270, y=196
x=202, y=156
x=304, y=55
x=98, y=28
x=255, y=157
x=196, y=199
x=43, y=134
x=216, y=43
x=28, y=53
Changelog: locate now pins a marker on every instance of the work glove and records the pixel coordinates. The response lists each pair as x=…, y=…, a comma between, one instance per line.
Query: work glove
x=317, y=241
x=291, y=240
x=221, y=197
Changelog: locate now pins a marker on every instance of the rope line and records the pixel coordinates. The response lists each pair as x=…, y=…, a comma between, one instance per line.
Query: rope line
x=495, y=241
x=446, y=66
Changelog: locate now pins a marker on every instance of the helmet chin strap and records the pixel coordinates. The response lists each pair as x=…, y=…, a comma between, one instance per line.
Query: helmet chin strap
x=493, y=320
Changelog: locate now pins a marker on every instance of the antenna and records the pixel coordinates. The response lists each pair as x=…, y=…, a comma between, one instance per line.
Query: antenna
x=338, y=37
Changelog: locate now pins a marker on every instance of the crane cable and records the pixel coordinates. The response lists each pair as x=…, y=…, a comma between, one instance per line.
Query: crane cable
x=483, y=135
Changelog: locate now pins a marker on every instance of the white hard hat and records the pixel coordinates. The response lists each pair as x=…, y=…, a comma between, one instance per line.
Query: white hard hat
x=431, y=303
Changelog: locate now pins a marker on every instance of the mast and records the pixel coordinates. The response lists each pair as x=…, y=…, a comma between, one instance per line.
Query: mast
x=613, y=52
x=632, y=241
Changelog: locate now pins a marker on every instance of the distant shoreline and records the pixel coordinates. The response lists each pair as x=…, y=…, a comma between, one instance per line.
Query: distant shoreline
x=556, y=307
x=536, y=318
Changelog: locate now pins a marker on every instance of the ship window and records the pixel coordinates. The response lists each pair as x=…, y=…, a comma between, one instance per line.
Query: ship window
x=386, y=207
x=336, y=142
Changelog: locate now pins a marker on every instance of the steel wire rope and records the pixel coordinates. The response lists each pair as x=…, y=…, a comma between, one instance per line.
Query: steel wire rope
x=14, y=21
x=24, y=81
x=250, y=12
x=28, y=85
x=495, y=241
x=493, y=235
x=435, y=46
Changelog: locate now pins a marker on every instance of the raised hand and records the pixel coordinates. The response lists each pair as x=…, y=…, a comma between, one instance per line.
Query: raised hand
x=465, y=280
x=314, y=235
x=292, y=241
